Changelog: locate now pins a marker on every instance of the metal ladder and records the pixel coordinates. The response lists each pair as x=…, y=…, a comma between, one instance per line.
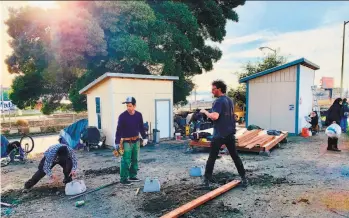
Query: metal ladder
x=316, y=105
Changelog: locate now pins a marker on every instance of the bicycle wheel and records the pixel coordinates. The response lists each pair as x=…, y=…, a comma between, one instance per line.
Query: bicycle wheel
x=27, y=144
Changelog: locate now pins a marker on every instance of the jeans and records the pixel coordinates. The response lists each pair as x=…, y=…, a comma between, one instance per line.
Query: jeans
x=129, y=160
x=344, y=124
x=66, y=165
x=216, y=144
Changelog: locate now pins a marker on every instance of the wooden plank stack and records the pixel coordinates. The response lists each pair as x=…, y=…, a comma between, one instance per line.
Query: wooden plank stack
x=257, y=139
x=253, y=140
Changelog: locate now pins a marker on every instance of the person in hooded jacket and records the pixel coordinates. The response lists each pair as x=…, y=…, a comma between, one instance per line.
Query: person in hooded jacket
x=334, y=116
x=314, y=121
x=344, y=115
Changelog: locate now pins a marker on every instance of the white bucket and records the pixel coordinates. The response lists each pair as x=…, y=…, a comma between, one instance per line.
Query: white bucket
x=178, y=136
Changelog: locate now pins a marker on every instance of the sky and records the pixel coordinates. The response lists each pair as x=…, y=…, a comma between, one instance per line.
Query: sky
x=313, y=30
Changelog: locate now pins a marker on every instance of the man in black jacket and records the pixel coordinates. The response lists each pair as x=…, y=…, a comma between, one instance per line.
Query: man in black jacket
x=223, y=131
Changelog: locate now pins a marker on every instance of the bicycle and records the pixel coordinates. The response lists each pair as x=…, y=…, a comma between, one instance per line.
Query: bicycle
x=17, y=149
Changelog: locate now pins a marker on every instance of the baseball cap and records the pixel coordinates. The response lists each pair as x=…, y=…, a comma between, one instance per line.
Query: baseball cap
x=131, y=100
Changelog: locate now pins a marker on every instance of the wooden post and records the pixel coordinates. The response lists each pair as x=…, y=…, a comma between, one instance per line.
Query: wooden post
x=201, y=200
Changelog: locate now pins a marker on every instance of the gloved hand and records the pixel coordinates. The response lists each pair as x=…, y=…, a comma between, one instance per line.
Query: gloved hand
x=145, y=142
x=116, y=146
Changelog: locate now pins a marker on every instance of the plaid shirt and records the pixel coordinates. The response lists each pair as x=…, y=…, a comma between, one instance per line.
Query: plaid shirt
x=51, y=158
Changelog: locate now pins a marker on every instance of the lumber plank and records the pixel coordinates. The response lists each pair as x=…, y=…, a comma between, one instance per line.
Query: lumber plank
x=248, y=138
x=267, y=140
x=246, y=134
x=201, y=200
x=252, y=140
x=259, y=141
x=277, y=139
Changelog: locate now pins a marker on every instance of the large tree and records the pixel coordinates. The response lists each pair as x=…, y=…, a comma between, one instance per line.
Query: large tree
x=57, y=52
x=250, y=68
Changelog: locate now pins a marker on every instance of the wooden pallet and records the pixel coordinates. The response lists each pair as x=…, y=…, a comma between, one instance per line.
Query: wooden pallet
x=251, y=141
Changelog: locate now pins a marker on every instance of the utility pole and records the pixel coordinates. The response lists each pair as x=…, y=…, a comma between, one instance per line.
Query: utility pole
x=342, y=70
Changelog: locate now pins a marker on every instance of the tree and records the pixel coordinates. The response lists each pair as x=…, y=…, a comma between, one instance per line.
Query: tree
x=248, y=69
x=5, y=95
x=56, y=56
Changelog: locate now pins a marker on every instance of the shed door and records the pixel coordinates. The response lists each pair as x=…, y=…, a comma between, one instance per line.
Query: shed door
x=162, y=117
x=283, y=106
x=98, y=112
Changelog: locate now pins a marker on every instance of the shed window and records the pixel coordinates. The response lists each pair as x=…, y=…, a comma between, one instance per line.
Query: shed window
x=98, y=112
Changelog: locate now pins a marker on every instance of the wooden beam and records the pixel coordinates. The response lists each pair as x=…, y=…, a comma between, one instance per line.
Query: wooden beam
x=201, y=200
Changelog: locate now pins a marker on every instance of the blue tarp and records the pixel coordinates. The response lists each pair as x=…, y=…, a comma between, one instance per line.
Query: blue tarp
x=4, y=144
x=71, y=134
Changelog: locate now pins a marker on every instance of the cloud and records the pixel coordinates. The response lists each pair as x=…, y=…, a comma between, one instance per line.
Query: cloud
x=321, y=45
x=336, y=13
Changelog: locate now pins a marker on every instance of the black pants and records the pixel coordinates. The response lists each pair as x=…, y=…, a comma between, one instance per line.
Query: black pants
x=66, y=165
x=216, y=144
x=332, y=143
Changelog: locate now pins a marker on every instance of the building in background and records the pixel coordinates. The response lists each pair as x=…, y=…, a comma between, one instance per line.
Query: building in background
x=279, y=98
x=154, y=96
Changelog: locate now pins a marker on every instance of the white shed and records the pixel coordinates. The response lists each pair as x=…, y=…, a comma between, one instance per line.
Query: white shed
x=153, y=94
x=280, y=97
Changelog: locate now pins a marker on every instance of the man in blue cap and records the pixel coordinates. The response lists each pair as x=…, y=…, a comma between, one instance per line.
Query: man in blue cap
x=130, y=125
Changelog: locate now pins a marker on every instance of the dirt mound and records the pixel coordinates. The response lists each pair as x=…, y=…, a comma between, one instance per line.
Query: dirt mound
x=173, y=196
x=266, y=180
x=17, y=196
x=102, y=171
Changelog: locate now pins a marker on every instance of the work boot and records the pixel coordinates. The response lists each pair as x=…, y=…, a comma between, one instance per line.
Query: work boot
x=135, y=179
x=335, y=148
x=27, y=187
x=329, y=148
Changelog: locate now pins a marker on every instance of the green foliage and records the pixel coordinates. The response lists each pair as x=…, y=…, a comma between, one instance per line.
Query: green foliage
x=266, y=63
x=56, y=56
x=248, y=69
x=239, y=95
x=5, y=95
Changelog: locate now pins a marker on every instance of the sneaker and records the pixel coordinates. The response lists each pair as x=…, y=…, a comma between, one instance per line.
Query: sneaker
x=135, y=179
x=126, y=183
x=26, y=190
x=244, y=182
x=67, y=180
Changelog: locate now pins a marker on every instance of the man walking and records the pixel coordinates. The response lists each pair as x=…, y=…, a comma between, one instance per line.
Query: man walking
x=223, y=131
x=130, y=125
x=57, y=154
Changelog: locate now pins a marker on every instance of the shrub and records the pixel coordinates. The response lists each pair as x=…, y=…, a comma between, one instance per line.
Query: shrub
x=22, y=123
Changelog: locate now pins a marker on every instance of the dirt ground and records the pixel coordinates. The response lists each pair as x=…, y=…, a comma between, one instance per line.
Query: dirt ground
x=299, y=179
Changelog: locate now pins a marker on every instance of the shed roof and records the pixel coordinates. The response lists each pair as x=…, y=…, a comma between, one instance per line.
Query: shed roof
x=301, y=61
x=125, y=75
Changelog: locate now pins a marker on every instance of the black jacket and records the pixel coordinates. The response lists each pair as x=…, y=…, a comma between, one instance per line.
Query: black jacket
x=334, y=114
x=314, y=121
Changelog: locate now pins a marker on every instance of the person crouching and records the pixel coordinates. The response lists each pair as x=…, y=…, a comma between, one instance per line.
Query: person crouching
x=57, y=154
